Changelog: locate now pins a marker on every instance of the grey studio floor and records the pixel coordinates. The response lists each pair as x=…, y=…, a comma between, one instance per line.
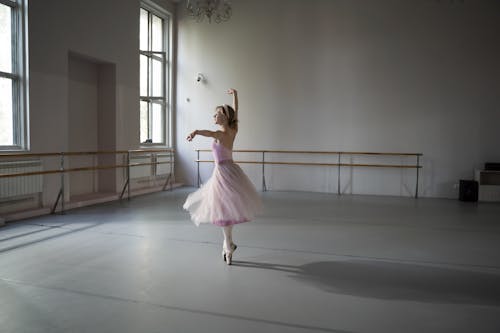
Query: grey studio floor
x=312, y=262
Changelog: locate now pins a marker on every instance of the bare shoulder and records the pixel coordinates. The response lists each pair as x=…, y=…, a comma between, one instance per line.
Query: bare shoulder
x=227, y=138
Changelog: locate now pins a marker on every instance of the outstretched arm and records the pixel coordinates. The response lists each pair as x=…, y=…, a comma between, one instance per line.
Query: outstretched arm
x=206, y=133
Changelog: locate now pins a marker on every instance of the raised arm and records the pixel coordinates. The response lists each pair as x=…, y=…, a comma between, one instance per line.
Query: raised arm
x=233, y=92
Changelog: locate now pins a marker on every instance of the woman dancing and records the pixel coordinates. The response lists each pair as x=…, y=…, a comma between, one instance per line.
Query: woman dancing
x=228, y=197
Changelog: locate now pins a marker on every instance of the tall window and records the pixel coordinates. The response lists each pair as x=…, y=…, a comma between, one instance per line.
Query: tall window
x=13, y=75
x=154, y=75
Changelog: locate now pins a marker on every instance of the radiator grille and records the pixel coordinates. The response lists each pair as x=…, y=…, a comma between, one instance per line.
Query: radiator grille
x=23, y=185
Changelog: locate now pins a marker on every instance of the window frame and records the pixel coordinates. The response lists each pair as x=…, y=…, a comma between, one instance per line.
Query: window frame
x=19, y=76
x=165, y=101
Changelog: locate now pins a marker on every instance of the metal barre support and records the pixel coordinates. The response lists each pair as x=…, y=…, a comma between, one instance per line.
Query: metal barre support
x=124, y=188
x=62, y=183
x=170, y=176
x=55, y=204
x=128, y=175
x=416, y=185
x=338, y=175
x=264, y=187
x=198, y=162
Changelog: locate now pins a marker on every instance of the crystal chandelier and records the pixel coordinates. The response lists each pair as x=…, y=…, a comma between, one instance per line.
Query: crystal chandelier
x=218, y=10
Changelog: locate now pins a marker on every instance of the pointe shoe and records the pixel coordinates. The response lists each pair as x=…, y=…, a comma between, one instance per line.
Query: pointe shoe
x=227, y=256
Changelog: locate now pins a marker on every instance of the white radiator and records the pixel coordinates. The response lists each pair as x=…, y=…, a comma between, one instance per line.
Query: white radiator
x=140, y=171
x=148, y=171
x=22, y=185
x=164, y=169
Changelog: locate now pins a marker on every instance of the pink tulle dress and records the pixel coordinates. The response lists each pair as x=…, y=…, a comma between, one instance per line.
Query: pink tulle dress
x=228, y=197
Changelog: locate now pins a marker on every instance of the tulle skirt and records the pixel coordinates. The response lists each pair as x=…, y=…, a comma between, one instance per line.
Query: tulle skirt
x=227, y=198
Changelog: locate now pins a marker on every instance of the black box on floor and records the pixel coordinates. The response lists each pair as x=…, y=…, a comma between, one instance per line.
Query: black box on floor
x=469, y=190
x=492, y=166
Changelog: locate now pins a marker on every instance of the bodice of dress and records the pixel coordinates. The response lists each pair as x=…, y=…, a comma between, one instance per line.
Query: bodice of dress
x=221, y=153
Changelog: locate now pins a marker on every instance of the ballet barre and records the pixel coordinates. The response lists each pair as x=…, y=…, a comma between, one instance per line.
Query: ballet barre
x=14, y=157
x=263, y=162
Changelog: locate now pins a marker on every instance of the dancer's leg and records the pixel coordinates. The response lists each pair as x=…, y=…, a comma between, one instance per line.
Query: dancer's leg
x=228, y=237
x=228, y=247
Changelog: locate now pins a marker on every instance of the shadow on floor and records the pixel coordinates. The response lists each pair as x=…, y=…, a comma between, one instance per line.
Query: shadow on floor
x=42, y=238
x=395, y=281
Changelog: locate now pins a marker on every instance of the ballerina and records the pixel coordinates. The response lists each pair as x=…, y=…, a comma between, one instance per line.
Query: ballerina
x=228, y=197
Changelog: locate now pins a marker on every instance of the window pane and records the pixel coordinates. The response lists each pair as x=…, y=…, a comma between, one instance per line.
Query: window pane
x=6, y=112
x=157, y=34
x=157, y=123
x=144, y=75
x=157, y=90
x=153, y=44
x=5, y=39
x=143, y=37
x=144, y=121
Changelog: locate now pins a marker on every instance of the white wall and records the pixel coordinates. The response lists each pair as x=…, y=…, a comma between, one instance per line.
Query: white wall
x=102, y=32
x=385, y=75
x=82, y=121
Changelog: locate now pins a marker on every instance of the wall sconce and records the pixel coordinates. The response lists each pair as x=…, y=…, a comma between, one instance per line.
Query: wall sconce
x=200, y=78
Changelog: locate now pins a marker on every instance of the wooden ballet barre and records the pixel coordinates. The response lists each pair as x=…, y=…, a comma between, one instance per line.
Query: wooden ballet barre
x=325, y=164
x=104, y=167
x=47, y=172
x=318, y=152
x=339, y=165
x=152, y=163
x=110, y=152
x=100, y=152
x=29, y=155
x=34, y=173
x=170, y=150
x=167, y=152
x=65, y=153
